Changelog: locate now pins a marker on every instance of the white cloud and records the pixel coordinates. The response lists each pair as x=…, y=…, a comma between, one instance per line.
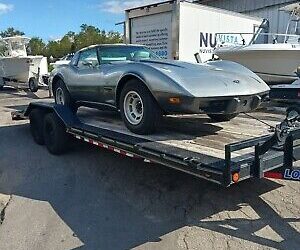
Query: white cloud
x=4, y=8
x=118, y=6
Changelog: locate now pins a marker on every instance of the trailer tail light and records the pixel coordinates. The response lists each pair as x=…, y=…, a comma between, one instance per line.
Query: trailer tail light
x=235, y=177
x=174, y=100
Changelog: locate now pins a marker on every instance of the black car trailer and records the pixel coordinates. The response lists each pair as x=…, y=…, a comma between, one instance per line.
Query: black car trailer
x=217, y=153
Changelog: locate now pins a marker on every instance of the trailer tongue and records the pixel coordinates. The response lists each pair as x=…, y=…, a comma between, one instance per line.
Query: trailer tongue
x=270, y=156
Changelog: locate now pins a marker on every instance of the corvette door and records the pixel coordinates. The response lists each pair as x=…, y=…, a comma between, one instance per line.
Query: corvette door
x=88, y=77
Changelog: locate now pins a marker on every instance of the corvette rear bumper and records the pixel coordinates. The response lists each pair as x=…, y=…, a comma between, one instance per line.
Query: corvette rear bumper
x=215, y=105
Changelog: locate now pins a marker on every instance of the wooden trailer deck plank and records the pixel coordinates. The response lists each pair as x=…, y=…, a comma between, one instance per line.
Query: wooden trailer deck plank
x=195, y=132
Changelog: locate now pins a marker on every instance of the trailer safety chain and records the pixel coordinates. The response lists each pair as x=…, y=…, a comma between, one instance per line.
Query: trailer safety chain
x=271, y=128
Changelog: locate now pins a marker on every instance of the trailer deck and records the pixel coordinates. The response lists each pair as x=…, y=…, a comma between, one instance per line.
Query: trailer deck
x=195, y=132
x=223, y=153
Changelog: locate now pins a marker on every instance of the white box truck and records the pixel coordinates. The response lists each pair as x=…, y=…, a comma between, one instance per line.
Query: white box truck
x=179, y=29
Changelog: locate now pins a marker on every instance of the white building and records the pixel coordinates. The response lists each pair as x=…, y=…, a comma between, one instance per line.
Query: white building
x=269, y=9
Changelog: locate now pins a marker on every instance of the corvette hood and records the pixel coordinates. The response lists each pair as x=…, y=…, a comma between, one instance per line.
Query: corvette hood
x=212, y=79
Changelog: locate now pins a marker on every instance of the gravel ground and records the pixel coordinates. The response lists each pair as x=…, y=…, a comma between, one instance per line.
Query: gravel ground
x=94, y=199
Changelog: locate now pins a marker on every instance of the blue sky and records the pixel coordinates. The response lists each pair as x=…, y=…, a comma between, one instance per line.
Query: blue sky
x=51, y=19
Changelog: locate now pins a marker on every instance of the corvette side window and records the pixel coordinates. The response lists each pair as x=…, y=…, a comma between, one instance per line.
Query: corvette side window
x=74, y=59
x=88, y=59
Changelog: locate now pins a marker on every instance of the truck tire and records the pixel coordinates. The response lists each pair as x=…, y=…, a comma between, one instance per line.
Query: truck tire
x=55, y=135
x=36, y=118
x=33, y=85
x=222, y=117
x=63, y=97
x=138, y=108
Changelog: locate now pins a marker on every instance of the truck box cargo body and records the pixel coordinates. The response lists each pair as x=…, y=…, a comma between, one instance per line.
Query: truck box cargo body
x=179, y=29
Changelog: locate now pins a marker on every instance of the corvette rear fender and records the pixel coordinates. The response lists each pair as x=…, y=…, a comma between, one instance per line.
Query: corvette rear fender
x=57, y=77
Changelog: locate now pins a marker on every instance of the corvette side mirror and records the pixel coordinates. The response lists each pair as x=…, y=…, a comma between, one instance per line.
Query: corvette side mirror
x=88, y=64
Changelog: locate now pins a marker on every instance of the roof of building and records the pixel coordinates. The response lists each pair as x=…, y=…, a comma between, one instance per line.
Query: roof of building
x=244, y=5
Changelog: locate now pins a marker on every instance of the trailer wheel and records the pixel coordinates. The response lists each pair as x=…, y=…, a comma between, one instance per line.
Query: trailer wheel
x=33, y=85
x=36, y=118
x=55, y=135
x=222, y=117
x=139, y=110
x=63, y=97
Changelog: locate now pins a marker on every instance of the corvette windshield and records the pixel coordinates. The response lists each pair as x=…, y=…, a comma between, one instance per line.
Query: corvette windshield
x=125, y=53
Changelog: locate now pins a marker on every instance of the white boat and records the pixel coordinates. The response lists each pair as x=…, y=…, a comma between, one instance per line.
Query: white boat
x=17, y=66
x=276, y=62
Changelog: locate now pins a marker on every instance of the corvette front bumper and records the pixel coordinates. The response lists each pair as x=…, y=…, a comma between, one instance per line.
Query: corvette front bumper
x=215, y=105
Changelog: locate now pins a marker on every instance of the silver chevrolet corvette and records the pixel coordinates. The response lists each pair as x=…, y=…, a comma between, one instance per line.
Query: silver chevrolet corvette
x=133, y=80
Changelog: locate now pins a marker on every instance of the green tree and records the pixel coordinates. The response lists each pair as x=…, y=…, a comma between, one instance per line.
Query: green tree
x=70, y=42
x=11, y=32
x=36, y=46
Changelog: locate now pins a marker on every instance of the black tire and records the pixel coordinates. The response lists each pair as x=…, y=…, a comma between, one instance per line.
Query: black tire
x=222, y=117
x=36, y=118
x=1, y=87
x=33, y=85
x=68, y=101
x=151, y=111
x=55, y=135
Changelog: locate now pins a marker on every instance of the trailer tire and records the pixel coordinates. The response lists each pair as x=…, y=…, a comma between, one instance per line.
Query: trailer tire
x=222, y=117
x=55, y=135
x=36, y=118
x=147, y=112
x=33, y=85
x=63, y=97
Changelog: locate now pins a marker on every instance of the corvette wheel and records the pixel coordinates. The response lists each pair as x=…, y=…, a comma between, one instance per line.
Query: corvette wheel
x=222, y=117
x=139, y=110
x=133, y=107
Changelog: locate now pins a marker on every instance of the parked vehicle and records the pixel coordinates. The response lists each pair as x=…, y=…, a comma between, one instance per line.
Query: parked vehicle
x=17, y=68
x=132, y=79
x=179, y=29
x=275, y=62
x=64, y=60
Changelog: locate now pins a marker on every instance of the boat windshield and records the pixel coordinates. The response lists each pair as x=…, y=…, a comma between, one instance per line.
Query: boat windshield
x=17, y=46
x=261, y=36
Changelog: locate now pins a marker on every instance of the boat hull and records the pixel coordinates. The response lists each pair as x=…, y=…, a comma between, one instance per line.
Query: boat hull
x=276, y=64
x=21, y=69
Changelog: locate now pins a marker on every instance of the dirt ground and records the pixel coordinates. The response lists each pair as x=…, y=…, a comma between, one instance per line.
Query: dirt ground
x=94, y=199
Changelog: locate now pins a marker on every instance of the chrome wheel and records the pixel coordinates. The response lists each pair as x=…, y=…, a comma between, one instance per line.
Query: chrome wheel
x=133, y=107
x=59, y=96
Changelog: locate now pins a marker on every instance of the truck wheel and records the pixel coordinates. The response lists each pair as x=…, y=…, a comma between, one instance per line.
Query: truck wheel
x=139, y=110
x=33, y=85
x=63, y=97
x=36, y=118
x=55, y=135
x=222, y=117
